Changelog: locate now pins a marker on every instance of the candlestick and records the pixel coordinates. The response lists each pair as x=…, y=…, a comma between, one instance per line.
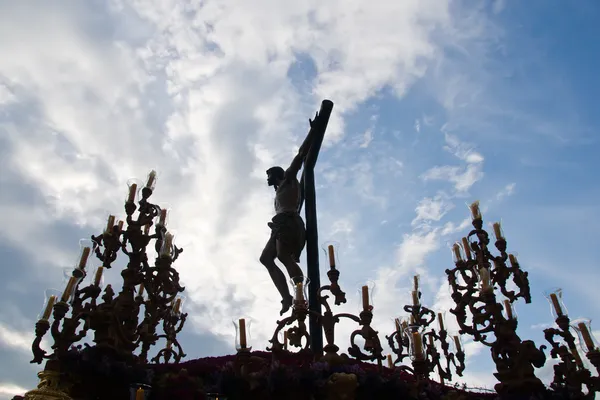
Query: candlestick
x=556, y=304
x=285, y=340
x=390, y=362
x=299, y=293
x=457, y=344
x=110, y=224
x=418, y=345
x=416, y=282
x=243, y=342
x=415, y=298
x=466, y=247
x=508, y=309
x=151, y=178
x=98, y=276
x=475, y=212
x=48, y=309
x=330, y=251
x=132, y=190
x=497, y=230
x=163, y=217
x=441, y=321
x=456, y=250
x=585, y=335
x=365, y=298
x=84, y=257
x=140, y=394
x=69, y=289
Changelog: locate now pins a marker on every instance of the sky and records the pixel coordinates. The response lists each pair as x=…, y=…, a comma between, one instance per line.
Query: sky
x=437, y=103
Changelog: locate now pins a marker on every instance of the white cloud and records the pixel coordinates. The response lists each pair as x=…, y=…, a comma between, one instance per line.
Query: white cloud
x=508, y=190
x=17, y=340
x=10, y=389
x=432, y=209
x=462, y=178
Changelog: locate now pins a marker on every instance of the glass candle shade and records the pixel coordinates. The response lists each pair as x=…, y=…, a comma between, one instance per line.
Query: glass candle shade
x=282, y=337
x=134, y=186
x=98, y=277
x=151, y=180
x=475, y=211
x=332, y=251
x=86, y=247
x=509, y=310
x=167, y=248
x=457, y=253
x=70, y=288
x=300, y=289
x=177, y=307
x=485, y=280
x=51, y=297
x=110, y=223
x=416, y=348
x=498, y=231
x=557, y=307
x=242, y=333
x=466, y=246
x=587, y=341
x=365, y=296
x=163, y=217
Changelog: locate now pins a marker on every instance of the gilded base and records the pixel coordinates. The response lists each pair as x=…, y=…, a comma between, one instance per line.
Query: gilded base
x=49, y=388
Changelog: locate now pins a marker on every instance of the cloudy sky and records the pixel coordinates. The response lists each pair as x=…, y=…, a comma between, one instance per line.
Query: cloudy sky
x=437, y=103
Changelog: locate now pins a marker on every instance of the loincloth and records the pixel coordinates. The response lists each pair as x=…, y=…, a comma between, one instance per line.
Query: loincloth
x=288, y=228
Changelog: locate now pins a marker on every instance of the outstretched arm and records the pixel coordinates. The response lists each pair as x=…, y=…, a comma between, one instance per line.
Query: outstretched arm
x=296, y=164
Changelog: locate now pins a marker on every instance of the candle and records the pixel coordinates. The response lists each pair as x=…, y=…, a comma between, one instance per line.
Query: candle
x=497, y=230
x=167, y=245
x=120, y=224
x=69, y=289
x=146, y=229
x=513, y=260
x=457, y=344
x=163, y=217
x=397, y=322
x=299, y=294
x=412, y=319
x=365, y=297
x=556, y=304
x=285, y=340
x=390, y=362
x=132, y=190
x=441, y=321
x=177, y=306
x=456, y=250
x=508, y=308
x=415, y=298
x=98, y=276
x=467, y=247
x=576, y=356
x=84, y=257
x=141, y=290
x=140, y=394
x=585, y=335
x=416, y=282
x=485, y=279
x=243, y=343
x=110, y=224
x=418, y=345
x=331, y=253
x=431, y=344
x=151, y=178
x=48, y=309
x=475, y=213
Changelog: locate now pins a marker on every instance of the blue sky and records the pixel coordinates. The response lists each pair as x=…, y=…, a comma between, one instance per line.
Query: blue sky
x=437, y=103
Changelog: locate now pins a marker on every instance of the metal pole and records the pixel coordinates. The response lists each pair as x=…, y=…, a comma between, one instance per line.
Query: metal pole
x=312, y=237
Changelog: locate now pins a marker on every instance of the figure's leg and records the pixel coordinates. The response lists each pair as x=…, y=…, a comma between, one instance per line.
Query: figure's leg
x=285, y=254
x=267, y=258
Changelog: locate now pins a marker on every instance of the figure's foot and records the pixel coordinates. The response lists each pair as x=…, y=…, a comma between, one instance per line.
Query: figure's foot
x=286, y=304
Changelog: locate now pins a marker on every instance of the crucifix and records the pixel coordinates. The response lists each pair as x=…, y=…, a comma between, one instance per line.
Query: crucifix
x=289, y=235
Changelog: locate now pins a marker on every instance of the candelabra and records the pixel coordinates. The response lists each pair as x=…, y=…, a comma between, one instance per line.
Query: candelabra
x=570, y=374
x=419, y=342
x=473, y=280
x=115, y=320
x=372, y=346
